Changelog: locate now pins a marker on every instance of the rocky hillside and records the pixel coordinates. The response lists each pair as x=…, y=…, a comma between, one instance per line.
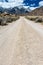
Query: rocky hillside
x=37, y=12
x=15, y=10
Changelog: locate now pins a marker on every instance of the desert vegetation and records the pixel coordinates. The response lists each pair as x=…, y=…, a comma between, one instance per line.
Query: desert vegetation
x=7, y=18
x=37, y=19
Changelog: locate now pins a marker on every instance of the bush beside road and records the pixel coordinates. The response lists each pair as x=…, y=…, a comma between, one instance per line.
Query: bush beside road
x=37, y=19
x=4, y=19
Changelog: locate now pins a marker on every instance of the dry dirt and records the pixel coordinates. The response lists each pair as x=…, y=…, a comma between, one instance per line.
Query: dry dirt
x=21, y=44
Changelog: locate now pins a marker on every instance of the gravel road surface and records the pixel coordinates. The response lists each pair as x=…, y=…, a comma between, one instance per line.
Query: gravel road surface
x=21, y=44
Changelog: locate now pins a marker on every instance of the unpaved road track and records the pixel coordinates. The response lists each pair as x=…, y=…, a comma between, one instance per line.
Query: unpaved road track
x=20, y=44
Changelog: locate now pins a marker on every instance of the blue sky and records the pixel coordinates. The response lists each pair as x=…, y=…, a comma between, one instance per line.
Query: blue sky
x=32, y=4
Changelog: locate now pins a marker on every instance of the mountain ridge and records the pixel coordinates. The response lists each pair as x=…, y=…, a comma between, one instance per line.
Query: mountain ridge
x=37, y=12
x=20, y=10
x=15, y=10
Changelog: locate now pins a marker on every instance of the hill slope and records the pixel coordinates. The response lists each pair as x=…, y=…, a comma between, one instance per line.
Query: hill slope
x=37, y=12
x=15, y=10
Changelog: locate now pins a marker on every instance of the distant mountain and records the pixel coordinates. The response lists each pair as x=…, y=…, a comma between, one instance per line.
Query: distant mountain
x=1, y=10
x=20, y=10
x=37, y=12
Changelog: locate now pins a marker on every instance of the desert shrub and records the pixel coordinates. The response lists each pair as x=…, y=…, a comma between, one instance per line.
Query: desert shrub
x=11, y=19
x=2, y=21
x=39, y=20
x=42, y=19
x=16, y=18
x=7, y=19
x=33, y=18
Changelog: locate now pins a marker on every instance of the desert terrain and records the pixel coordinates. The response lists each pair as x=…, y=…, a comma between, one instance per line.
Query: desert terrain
x=21, y=43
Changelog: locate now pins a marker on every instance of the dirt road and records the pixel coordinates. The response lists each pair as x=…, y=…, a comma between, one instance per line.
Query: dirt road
x=21, y=44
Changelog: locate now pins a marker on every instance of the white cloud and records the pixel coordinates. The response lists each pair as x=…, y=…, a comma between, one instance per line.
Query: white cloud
x=26, y=6
x=41, y=3
x=11, y=3
x=11, y=0
x=18, y=0
x=15, y=0
x=32, y=8
x=32, y=4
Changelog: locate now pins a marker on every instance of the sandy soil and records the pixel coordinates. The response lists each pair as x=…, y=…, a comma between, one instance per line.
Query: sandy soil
x=21, y=44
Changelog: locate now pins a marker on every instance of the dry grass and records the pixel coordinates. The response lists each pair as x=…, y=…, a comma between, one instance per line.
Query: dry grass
x=4, y=19
x=35, y=18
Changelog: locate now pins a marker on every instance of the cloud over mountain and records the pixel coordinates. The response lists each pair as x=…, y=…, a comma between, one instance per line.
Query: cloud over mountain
x=41, y=3
x=12, y=3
